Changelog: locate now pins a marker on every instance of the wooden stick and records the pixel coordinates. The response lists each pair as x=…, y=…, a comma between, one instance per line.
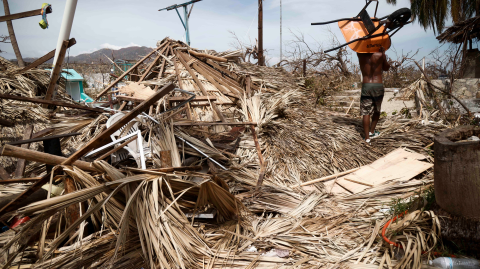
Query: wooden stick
x=56, y=71
x=21, y=163
x=206, y=123
x=329, y=177
x=128, y=71
x=102, y=138
x=200, y=85
x=45, y=57
x=40, y=157
x=358, y=182
x=25, y=14
x=49, y=102
x=204, y=55
x=42, y=139
x=20, y=180
x=248, y=86
x=351, y=104
x=124, y=103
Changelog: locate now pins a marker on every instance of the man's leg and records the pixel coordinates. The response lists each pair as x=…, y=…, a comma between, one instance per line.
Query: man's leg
x=375, y=118
x=366, y=126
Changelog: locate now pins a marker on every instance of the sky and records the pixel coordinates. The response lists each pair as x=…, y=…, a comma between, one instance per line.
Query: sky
x=122, y=23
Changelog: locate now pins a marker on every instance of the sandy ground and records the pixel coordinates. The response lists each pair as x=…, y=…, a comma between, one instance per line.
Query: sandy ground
x=391, y=105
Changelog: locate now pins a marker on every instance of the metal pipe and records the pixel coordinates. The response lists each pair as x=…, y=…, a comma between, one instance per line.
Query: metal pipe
x=66, y=27
x=112, y=143
x=201, y=152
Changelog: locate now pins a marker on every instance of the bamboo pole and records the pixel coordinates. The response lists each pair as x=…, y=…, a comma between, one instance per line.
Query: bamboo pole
x=328, y=177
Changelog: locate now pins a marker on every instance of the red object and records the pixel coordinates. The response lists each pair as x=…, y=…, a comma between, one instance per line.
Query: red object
x=19, y=221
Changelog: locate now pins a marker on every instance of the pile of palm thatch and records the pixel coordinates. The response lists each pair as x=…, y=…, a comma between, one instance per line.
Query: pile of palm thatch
x=186, y=210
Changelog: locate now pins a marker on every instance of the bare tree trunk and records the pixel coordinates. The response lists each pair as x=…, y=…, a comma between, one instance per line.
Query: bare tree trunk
x=13, y=39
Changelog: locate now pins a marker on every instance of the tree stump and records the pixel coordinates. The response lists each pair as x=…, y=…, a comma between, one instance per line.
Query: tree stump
x=457, y=172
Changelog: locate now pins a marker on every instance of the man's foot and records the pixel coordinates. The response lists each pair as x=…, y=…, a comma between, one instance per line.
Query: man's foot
x=374, y=134
x=367, y=141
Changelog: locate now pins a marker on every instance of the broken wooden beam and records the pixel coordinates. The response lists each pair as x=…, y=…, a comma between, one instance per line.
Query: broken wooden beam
x=206, y=123
x=128, y=71
x=40, y=157
x=102, y=138
x=49, y=102
x=328, y=177
x=43, y=132
x=20, y=180
x=22, y=163
x=38, y=139
x=208, y=56
x=45, y=57
x=57, y=69
x=25, y=14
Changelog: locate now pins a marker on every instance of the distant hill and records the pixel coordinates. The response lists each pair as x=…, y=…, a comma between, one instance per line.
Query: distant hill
x=130, y=53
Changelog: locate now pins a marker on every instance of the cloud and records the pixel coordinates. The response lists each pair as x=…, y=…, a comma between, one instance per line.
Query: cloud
x=115, y=47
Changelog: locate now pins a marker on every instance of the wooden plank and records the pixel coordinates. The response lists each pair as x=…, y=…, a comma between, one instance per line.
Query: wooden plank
x=152, y=64
x=206, y=123
x=3, y=174
x=231, y=84
x=20, y=180
x=248, y=86
x=27, y=141
x=56, y=71
x=128, y=71
x=41, y=157
x=49, y=102
x=398, y=165
x=45, y=57
x=25, y=14
x=102, y=138
x=211, y=79
x=223, y=70
x=7, y=123
x=200, y=85
x=21, y=163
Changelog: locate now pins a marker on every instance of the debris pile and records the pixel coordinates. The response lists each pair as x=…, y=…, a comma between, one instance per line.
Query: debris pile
x=204, y=161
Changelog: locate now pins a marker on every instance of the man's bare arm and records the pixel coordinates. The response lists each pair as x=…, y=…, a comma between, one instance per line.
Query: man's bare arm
x=385, y=64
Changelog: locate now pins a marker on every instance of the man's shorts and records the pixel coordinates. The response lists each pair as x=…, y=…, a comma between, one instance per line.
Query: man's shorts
x=371, y=98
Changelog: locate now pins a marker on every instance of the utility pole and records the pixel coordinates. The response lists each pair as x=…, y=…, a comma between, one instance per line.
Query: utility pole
x=280, y=31
x=13, y=38
x=186, y=16
x=261, y=59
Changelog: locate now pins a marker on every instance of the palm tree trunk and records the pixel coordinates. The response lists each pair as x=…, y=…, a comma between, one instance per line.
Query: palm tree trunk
x=13, y=39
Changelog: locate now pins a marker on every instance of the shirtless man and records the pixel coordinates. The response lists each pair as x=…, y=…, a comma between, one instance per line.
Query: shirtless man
x=372, y=66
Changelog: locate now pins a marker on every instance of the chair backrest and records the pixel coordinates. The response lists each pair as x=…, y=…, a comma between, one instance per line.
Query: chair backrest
x=133, y=127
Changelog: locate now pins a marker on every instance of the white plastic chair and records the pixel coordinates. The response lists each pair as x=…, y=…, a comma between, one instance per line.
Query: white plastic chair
x=131, y=148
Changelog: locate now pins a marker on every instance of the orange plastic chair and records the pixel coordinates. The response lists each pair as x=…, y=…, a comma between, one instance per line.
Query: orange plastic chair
x=352, y=30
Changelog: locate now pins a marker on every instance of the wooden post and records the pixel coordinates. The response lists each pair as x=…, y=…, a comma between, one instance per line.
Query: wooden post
x=457, y=173
x=11, y=32
x=40, y=157
x=21, y=163
x=261, y=59
x=56, y=71
x=25, y=14
x=166, y=158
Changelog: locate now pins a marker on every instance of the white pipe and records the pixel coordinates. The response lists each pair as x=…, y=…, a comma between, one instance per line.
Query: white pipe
x=66, y=27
